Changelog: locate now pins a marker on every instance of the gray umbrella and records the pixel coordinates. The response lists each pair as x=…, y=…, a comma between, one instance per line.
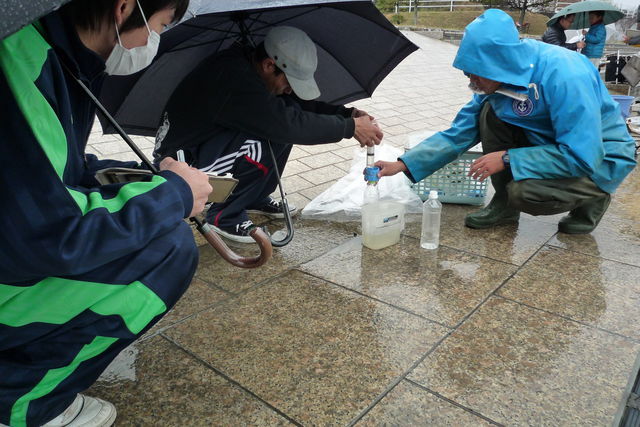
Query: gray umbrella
x=357, y=48
x=18, y=13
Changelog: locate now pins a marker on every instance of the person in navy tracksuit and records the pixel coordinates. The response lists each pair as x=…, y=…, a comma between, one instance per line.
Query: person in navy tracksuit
x=84, y=269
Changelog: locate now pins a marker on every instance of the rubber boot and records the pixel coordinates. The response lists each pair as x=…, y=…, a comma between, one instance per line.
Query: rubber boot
x=585, y=218
x=497, y=212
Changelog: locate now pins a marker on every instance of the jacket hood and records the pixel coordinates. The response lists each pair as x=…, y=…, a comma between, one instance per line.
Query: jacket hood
x=491, y=48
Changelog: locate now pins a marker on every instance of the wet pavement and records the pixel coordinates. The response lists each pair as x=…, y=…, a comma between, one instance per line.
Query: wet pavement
x=515, y=325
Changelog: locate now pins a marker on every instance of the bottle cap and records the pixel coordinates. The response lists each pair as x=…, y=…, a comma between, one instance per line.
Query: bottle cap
x=371, y=174
x=433, y=194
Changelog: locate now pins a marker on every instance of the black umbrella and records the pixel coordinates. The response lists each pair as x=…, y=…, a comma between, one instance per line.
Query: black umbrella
x=18, y=13
x=357, y=48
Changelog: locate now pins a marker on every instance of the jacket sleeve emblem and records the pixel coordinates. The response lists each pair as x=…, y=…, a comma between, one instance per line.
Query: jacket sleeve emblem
x=522, y=108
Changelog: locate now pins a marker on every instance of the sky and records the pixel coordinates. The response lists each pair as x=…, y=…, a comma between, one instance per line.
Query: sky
x=627, y=4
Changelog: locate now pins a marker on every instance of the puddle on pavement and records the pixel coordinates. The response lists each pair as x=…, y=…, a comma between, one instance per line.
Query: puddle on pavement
x=122, y=368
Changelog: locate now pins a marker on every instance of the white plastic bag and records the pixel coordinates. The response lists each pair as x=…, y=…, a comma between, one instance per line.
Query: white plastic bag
x=343, y=200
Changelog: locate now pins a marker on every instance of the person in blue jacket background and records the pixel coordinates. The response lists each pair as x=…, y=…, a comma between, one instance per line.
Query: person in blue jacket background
x=84, y=269
x=553, y=138
x=595, y=38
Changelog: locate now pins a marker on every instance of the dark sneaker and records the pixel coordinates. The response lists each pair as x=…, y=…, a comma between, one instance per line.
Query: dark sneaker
x=273, y=209
x=237, y=233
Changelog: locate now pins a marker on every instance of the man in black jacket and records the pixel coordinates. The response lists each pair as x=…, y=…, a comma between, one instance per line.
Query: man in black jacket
x=555, y=33
x=224, y=113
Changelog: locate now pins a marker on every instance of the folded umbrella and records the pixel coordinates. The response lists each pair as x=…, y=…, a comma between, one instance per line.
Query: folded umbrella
x=357, y=48
x=582, y=9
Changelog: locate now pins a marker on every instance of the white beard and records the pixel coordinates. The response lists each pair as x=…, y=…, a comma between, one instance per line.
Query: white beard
x=475, y=89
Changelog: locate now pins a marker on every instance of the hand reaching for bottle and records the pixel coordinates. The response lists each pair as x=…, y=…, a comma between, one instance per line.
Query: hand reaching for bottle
x=390, y=168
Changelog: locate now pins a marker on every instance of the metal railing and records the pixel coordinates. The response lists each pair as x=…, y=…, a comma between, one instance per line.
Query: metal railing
x=411, y=5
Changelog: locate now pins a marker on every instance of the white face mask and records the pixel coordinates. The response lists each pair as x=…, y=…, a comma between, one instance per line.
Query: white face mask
x=123, y=61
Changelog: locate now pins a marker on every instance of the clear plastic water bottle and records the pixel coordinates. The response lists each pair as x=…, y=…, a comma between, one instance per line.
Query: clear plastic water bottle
x=371, y=192
x=431, y=210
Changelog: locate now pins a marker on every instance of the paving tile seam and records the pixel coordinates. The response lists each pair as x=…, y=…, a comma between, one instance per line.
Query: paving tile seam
x=216, y=286
x=232, y=381
x=388, y=304
x=348, y=236
x=398, y=380
x=497, y=289
x=295, y=267
x=264, y=281
x=453, y=402
x=260, y=284
x=494, y=293
x=592, y=255
x=468, y=252
x=184, y=319
x=562, y=316
x=454, y=327
x=622, y=406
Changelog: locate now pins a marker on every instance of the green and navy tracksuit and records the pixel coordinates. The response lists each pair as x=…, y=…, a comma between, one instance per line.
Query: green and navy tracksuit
x=84, y=269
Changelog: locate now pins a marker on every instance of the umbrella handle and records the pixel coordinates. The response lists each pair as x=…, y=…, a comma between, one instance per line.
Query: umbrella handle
x=285, y=205
x=214, y=240
x=261, y=238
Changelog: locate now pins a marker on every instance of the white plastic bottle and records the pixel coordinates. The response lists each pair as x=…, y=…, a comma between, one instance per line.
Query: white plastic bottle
x=431, y=210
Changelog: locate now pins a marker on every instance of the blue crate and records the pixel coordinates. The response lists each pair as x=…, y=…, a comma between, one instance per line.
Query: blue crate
x=453, y=184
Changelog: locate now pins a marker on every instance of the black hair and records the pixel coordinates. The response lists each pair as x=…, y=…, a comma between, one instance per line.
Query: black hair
x=260, y=54
x=152, y=6
x=598, y=13
x=91, y=14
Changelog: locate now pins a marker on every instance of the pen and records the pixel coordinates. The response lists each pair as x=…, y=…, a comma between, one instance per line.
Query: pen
x=180, y=155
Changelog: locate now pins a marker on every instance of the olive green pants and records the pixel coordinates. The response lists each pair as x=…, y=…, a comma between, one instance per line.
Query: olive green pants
x=533, y=196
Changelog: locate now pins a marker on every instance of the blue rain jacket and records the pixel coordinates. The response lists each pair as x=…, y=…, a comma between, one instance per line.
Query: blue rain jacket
x=595, y=39
x=570, y=119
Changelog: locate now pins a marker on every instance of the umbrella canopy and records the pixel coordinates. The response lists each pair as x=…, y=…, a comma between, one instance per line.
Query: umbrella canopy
x=18, y=13
x=357, y=48
x=582, y=9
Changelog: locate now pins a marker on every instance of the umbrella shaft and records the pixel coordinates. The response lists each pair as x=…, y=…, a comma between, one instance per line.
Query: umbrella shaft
x=113, y=123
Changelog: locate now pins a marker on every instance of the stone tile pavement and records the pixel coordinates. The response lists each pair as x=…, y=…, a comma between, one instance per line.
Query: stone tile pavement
x=518, y=325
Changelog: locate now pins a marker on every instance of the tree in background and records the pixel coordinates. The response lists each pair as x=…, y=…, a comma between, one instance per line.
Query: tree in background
x=524, y=5
x=386, y=5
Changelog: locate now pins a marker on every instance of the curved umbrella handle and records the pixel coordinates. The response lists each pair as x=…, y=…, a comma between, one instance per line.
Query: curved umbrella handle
x=261, y=238
x=288, y=221
x=214, y=240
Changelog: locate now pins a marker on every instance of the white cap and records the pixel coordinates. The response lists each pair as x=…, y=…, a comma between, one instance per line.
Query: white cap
x=433, y=194
x=296, y=55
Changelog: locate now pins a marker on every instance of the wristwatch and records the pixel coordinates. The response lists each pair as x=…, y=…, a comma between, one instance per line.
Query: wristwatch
x=505, y=159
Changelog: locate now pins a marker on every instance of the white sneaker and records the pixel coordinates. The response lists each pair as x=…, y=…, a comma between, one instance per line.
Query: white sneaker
x=85, y=411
